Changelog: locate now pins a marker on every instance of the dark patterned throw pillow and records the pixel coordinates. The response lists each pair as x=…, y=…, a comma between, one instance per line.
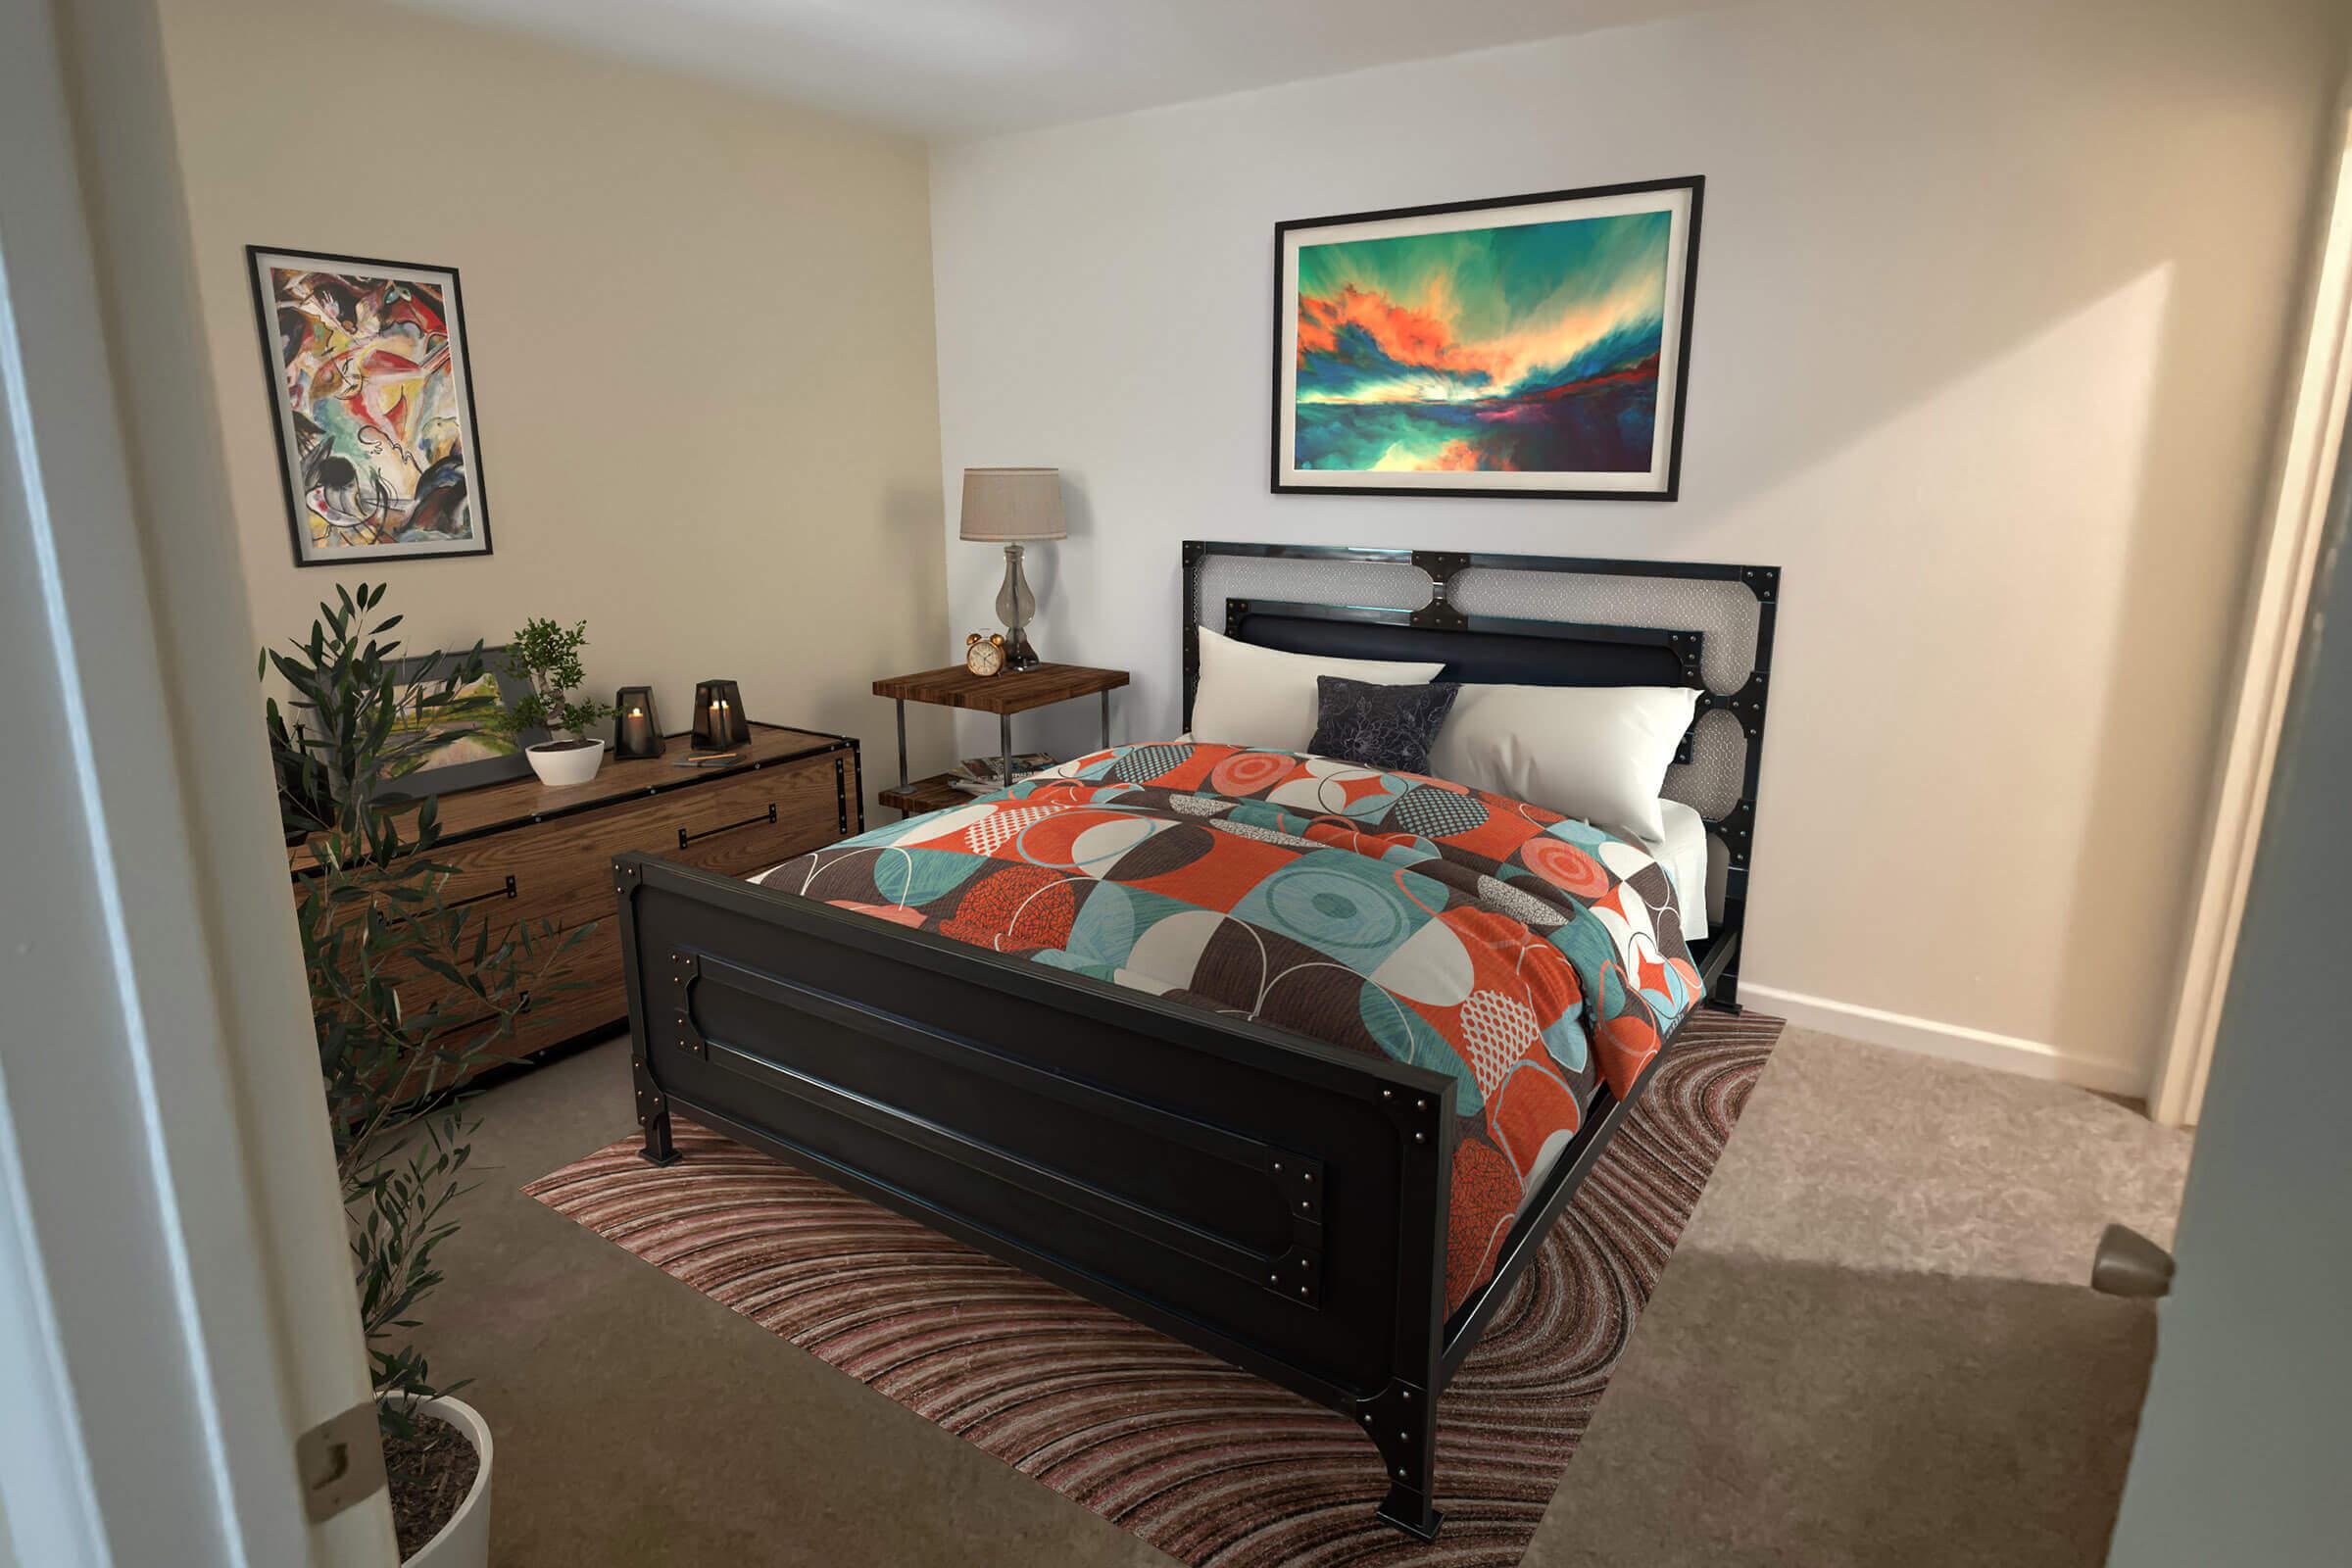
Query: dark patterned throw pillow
x=1387, y=727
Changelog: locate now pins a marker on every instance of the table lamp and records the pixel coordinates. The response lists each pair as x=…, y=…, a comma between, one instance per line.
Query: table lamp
x=1012, y=505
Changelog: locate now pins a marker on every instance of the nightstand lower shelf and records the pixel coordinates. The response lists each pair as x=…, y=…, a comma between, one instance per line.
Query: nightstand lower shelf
x=933, y=793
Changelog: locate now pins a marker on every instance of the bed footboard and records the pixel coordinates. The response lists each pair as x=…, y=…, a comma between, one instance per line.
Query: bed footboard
x=1275, y=1200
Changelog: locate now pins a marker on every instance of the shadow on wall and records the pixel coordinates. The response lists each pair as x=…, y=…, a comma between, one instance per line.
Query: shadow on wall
x=2031, y=695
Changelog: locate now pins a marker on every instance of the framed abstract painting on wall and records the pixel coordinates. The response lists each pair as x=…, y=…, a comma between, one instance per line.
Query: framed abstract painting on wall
x=1527, y=346
x=371, y=406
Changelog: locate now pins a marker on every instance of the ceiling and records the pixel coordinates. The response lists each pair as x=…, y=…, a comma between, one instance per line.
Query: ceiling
x=956, y=68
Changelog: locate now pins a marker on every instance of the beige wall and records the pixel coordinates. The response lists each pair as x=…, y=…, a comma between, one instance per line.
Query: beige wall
x=1990, y=308
x=700, y=325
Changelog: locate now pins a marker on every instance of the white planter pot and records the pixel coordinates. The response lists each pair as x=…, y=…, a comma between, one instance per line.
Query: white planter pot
x=572, y=765
x=464, y=1542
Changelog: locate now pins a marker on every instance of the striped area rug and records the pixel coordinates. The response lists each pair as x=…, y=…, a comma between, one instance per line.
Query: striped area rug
x=1207, y=1463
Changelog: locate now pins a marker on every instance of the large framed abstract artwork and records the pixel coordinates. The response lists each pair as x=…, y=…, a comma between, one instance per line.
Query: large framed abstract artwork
x=1527, y=346
x=372, y=404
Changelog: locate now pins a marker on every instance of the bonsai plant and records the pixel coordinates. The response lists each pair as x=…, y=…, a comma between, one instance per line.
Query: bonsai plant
x=548, y=657
x=409, y=995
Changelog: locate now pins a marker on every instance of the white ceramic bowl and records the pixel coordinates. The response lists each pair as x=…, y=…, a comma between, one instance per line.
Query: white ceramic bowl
x=575, y=765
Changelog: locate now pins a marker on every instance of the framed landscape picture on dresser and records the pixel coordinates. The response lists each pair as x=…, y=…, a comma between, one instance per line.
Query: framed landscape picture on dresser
x=479, y=747
x=371, y=407
x=1530, y=346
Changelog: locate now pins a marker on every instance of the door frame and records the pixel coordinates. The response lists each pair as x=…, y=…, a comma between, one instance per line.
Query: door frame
x=175, y=1295
x=2310, y=456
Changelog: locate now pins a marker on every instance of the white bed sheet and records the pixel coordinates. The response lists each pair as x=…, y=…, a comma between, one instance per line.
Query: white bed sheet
x=1683, y=851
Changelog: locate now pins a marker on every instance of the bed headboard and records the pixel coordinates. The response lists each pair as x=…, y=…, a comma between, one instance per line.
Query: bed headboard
x=1534, y=620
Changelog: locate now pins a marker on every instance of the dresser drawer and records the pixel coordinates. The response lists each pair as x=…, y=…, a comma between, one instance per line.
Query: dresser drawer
x=559, y=868
x=563, y=867
x=761, y=820
x=531, y=873
x=562, y=870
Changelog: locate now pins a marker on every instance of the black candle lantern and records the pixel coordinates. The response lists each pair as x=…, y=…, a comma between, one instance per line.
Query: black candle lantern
x=636, y=727
x=719, y=721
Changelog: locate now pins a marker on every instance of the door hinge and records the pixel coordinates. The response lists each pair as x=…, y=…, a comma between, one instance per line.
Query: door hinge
x=340, y=1460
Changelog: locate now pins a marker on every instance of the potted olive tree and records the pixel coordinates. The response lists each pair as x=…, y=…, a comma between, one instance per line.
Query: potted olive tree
x=409, y=995
x=548, y=657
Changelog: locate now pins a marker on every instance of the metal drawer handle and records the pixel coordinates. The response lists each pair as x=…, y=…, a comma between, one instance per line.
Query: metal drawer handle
x=506, y=892
x=448, y=1029
x=770, y=815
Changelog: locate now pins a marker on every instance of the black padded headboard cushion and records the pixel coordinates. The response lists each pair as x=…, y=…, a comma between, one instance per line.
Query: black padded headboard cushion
x=1488, y=651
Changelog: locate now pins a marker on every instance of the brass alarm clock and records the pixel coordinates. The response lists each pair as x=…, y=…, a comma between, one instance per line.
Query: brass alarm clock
x=984, y=655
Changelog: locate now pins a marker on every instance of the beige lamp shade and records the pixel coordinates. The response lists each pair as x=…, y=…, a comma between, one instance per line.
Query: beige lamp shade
x=1010, y=504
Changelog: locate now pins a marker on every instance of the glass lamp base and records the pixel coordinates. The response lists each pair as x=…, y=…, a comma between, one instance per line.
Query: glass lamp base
x=1016, y=604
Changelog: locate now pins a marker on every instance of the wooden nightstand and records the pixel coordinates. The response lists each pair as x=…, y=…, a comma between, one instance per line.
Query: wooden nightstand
x=1004, y=695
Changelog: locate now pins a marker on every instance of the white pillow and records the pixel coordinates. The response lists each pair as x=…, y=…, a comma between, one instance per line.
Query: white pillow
x=1252, y=696
x=1598, y=753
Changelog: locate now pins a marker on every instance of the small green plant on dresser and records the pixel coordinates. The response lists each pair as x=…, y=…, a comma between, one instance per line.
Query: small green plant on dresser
x=548, y=656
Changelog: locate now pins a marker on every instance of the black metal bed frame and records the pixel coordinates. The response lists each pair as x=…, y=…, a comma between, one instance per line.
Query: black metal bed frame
x=1275, y=1200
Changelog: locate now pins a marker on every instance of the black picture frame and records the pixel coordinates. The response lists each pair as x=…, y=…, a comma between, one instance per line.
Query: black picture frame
x=285, y=438
x=1284, y=479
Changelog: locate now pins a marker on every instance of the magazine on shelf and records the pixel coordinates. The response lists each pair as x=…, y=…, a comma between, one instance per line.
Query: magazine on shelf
x=981, y=774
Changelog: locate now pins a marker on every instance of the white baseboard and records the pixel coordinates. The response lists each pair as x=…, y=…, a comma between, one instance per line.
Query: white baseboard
x=1979, y=1048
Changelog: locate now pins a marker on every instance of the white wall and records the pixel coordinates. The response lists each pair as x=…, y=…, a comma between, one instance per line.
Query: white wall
x=699, y=331
x=1992, y=304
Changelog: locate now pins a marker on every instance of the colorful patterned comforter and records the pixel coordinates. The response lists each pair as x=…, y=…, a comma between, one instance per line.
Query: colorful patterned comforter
x=1531, y=956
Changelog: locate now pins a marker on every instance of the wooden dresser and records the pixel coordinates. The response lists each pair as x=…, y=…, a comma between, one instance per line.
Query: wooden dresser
x=526, y=851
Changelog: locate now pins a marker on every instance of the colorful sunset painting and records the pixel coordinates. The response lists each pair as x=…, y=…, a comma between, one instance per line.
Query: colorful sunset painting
x=369, y=392
x=1534, y=357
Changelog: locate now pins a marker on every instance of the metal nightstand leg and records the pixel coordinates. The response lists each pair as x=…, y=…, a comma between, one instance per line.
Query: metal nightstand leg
x=902, y=745
x=1004, y=745
x=1106, y=719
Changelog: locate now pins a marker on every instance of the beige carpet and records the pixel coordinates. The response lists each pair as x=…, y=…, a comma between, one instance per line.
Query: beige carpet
x=1870, y=1348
